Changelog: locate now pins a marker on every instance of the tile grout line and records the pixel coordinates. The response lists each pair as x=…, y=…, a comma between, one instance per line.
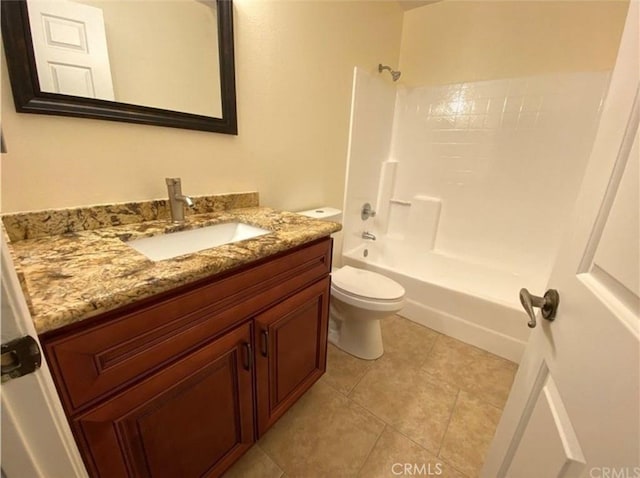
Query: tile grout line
x=433, y=345
x=280, y=467
x=413, y=441
x=453, y=467
x=326, y=382
x=351, y=389
x=473, y=394
x=422, y=447
x=435, y=455
x=448, y=422
x=367, y=409
x=360, y=379
x=372, y=448
x=423, y=367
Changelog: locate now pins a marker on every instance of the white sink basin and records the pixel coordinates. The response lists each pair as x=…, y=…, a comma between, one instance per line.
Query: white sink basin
x=167, y=246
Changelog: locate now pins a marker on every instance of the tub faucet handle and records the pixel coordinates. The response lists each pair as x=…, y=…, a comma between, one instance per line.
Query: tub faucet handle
x=368, y=235
x=548, y=305
x=367, y=212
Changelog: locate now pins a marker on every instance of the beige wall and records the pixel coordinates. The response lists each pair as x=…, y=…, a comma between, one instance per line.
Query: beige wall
x=457, y=41
x=294, y=65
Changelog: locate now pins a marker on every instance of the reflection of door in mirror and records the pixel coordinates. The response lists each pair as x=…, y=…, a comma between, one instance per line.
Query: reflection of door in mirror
x=70, y=48
x=162, y=54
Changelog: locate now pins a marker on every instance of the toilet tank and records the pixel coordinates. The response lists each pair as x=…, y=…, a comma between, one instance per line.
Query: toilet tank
x=329, y=214
x=324, y=214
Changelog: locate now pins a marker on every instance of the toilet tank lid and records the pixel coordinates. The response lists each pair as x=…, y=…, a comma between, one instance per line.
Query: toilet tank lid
x=366, y=284
x=321, y=212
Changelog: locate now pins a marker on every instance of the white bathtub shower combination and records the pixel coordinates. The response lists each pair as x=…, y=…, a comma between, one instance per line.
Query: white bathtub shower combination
x=455, y=173
x=471, y=302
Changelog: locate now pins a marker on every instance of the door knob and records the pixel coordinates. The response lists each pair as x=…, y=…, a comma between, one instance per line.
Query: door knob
x=547, y=304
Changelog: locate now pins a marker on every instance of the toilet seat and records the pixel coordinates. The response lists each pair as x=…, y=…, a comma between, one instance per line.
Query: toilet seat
x=366, y=284
x=366, y=289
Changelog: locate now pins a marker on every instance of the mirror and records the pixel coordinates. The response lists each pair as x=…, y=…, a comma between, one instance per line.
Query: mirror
x=190, y=80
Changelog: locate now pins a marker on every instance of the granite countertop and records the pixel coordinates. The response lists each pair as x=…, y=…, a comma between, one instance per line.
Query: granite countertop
x=77, y=274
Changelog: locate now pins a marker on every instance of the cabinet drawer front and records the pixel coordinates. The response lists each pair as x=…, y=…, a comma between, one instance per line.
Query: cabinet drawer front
x=89, y=364
x=191, y=419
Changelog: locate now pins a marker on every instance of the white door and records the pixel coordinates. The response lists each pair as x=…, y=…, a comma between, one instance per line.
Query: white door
x=70, y=47
x=574, y=409
x=36, y=439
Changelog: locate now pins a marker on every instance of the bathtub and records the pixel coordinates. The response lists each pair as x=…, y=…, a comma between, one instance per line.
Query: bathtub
x=471, y=302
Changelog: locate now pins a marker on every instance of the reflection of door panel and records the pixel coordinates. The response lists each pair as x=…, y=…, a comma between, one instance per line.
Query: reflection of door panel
x=70, y=47
x=573, y=409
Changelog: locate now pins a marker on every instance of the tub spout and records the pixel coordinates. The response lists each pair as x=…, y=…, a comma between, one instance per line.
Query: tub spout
x=368, y=235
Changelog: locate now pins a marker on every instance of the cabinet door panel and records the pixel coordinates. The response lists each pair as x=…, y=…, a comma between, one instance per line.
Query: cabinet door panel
x=296, y=349
x=192, y=419
x=293, y=351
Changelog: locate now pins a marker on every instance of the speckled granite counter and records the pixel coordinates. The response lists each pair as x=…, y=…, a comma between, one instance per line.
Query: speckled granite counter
x=86, y=267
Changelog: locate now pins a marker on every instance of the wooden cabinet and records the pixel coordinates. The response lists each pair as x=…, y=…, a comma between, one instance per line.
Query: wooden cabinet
x=292, y=351
x=184, y=383
x=192, y=418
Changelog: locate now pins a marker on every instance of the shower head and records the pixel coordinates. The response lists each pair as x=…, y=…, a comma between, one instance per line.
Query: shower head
x=394, y=74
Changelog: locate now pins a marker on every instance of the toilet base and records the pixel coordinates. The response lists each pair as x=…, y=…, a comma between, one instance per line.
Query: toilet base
x=362, y=339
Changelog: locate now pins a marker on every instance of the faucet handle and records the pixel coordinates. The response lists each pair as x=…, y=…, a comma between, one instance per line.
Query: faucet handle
x=367, y=212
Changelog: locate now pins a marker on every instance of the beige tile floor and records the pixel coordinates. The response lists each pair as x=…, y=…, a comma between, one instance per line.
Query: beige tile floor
x=430, y=401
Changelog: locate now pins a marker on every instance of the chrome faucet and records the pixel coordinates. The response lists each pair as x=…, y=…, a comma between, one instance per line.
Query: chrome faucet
x=368, y=235
x=177, y=200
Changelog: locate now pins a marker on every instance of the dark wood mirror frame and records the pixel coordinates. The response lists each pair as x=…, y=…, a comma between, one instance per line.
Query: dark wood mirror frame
x=28, y=97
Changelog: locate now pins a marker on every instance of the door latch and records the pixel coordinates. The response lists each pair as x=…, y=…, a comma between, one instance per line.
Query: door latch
x=20, y=357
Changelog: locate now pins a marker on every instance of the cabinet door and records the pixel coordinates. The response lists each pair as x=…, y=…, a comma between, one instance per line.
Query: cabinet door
x=191, y=419
x=291, y=353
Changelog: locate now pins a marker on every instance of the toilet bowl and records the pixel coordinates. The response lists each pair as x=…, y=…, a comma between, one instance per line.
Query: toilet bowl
x=360, y=299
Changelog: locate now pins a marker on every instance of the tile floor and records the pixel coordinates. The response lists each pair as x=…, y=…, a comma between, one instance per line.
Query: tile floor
x=430, y=400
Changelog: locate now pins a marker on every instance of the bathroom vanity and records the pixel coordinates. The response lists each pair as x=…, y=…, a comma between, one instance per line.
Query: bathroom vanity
x=183, y=379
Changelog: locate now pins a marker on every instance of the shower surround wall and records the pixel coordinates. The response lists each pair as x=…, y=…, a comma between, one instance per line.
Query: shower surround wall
x=371, y=125
x=506, y=157
x=472, y=189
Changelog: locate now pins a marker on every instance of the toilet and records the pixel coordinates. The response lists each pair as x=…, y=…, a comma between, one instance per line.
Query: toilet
x=360, y=299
